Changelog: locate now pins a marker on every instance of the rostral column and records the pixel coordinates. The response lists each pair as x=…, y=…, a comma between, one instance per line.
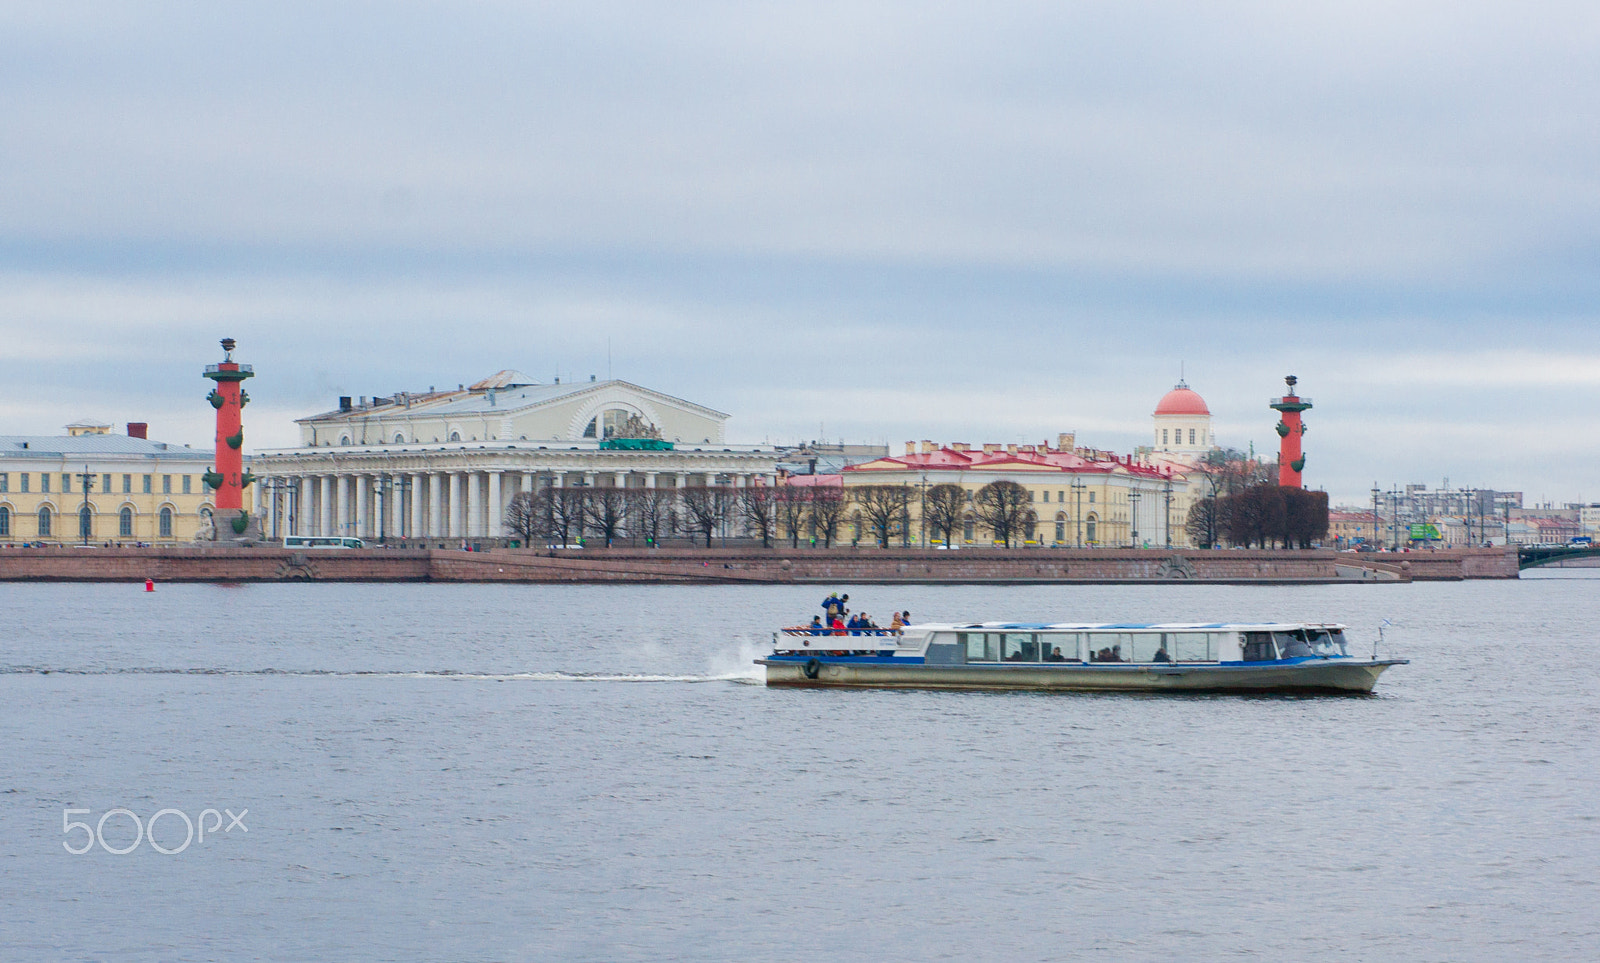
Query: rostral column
x=1291, y=459
x=228, y=478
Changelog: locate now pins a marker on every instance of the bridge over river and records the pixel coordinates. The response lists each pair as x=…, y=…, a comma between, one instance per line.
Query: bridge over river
x=1533, y=556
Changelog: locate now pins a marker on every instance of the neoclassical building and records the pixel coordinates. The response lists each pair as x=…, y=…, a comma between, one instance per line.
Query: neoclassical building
x=1182, y=430
x=1080, y=497
x=445, y=464
x=94, y=486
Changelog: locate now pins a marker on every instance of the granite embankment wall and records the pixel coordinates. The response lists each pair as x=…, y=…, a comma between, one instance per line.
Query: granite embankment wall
x=736, y=565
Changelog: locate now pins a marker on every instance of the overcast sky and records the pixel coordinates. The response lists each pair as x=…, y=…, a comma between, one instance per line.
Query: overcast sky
x=963, y=222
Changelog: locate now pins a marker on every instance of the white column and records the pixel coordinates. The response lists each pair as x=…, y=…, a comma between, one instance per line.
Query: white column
x=455, y=530
x=418, y=493
x=528, y=479
x=397, y=494
x=474, y=504
x=325, y=507
x=361, y=483
x=741, y=480
x=622, y=479
x=497, y=510
x=300, y=513
x=341, y=521
x=436, y=506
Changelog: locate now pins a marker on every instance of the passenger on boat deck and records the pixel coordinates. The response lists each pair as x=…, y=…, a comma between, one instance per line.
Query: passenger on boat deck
x=1161, y=654
x=854, y=625
x=896, y=624
x=816, y=625
x=837, y=624
x=1056, y=656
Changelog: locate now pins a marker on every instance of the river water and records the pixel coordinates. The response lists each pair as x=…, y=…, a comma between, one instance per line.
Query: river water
x=463, y=772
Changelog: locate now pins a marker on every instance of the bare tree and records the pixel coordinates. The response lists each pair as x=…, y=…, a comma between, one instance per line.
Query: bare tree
x=827, y=509
x=563, y=509
x=1002, y=505
x=525, y=517
x=882, y=507
x=706, y=508
x=793, y=505
x=653, y=514
x=759, y=509
x=942, y=507
x=606, y=511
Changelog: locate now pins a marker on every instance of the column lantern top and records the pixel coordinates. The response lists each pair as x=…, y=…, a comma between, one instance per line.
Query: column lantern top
x=229, y=370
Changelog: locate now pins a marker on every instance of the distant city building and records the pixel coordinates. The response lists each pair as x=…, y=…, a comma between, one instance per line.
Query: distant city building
x=821, y=458
x=1350, y=528
x=138, y=490
x=1078, y=496
x=445, y=464
x=1182, y=427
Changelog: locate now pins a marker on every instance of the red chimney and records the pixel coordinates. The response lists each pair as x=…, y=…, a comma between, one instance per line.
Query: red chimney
x=139, y=429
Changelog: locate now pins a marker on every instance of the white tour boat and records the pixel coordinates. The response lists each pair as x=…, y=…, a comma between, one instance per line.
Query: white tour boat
x=1186, y=657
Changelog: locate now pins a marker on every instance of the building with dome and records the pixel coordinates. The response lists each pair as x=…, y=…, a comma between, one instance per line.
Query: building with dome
x=1182, y=427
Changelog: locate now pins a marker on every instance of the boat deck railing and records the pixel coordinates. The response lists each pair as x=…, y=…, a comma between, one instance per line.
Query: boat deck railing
x=823, y=630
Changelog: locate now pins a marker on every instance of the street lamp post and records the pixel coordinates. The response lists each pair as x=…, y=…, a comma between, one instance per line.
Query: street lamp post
x=1168, y=524
x=1077, y=490
x=1376, y=538
x=922, y=514
x=84, y=516
x=1134, y=496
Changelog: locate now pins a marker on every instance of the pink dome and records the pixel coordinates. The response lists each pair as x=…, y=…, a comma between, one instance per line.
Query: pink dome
x=1182, y=401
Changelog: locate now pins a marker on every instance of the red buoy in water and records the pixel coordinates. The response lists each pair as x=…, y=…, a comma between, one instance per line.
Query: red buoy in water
x=149, y=585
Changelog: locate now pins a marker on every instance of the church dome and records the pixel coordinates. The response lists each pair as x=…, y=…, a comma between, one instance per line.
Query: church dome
x=1181, y=400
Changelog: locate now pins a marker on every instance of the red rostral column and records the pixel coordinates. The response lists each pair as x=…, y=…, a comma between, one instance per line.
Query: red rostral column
x=1291, y=460
x=228, y=478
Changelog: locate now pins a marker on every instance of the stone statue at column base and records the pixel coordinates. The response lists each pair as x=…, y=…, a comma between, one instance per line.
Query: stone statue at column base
x=230, y=526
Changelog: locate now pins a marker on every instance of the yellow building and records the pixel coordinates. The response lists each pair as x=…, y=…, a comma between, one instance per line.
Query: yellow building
x=1078, y=497
x=137, y=490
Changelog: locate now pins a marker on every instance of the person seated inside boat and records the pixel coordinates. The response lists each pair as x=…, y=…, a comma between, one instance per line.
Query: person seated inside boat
x=1113, y=654
x=1161, y=654
x=1055, y=655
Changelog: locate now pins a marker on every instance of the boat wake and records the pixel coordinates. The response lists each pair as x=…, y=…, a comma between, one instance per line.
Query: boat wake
x=731, y=676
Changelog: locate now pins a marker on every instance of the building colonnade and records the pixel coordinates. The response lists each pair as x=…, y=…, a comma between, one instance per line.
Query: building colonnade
x=438, y=504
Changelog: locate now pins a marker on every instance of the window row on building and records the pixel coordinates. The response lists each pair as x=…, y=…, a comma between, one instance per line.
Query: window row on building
x=110, y=482
x=51, y=523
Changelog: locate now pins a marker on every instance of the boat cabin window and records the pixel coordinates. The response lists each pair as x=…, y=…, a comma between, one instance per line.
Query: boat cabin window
x=1058, y=647
x=1192, y=647
x=1019, y=647
x=1147, y=645
x=1258, y=647
x=982, y=646
x=1327, y=642
x=1110, y=646
x=1292, y=645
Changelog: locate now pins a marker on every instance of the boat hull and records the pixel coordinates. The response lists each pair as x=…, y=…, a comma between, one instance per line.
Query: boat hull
x=1321, y=675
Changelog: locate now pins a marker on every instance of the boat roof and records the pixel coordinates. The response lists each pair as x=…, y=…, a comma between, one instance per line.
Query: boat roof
x=1124, y=626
